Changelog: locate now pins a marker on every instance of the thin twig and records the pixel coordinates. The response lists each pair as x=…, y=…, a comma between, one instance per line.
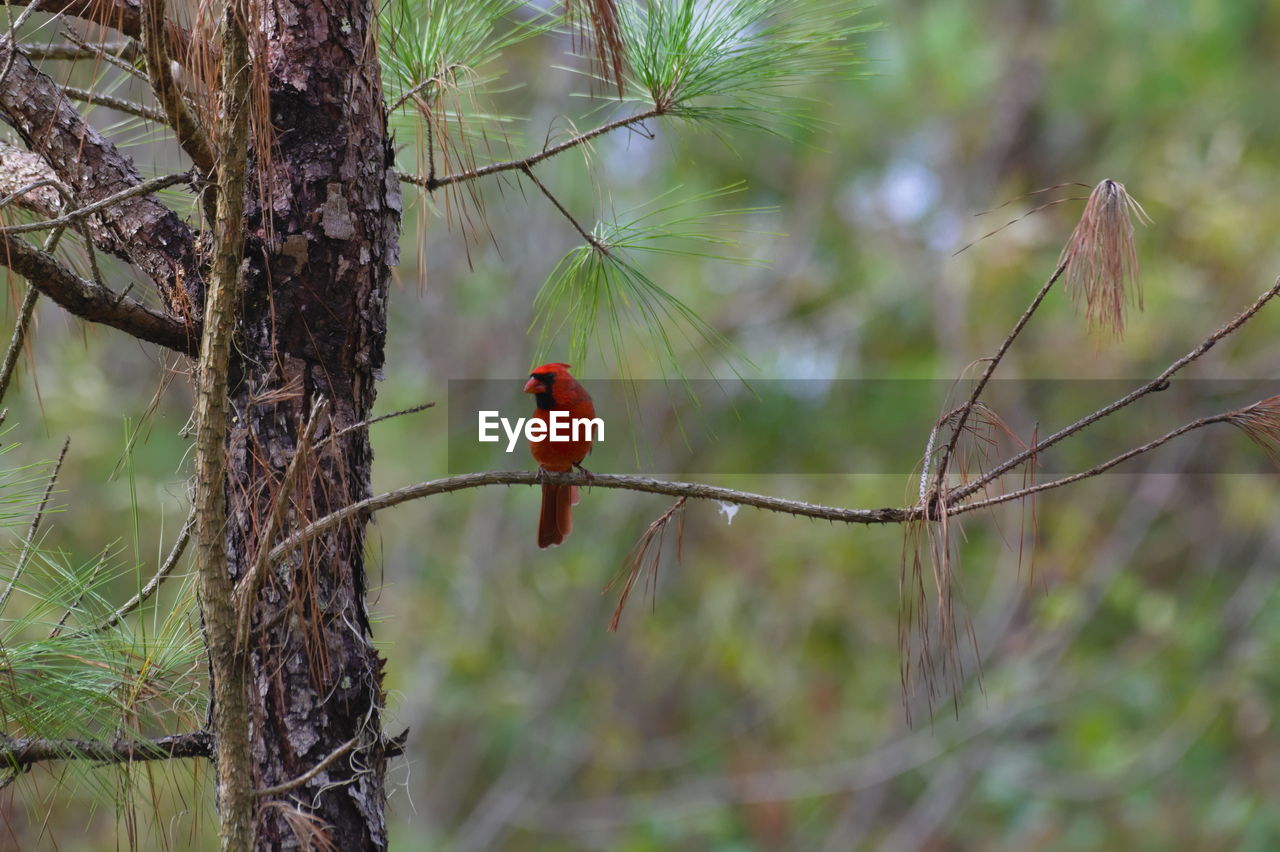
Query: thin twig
x=28, y=546
x=992, y=364
x=310, y=773
x=170, y=562
x=28, y=309
x=595, y=243
x=400, y=101
x=84, y=590
x=1093, y=471
x=73, y=52
x=124, y=63
x=372, y=420
x=1157, y=384
x=693, y=490
x=144, y=188
x=11, y=36
x=431, y=183
x=30, y=187
x=118, y=104
x=19, y=338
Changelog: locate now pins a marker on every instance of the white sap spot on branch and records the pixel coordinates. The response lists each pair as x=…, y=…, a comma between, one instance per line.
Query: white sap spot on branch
x=728, y=510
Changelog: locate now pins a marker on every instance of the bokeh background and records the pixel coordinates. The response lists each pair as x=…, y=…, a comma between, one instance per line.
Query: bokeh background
x=1126, y=689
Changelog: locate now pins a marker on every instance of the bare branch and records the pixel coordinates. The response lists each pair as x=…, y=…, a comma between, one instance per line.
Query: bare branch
x=1097, y=469
x=19, y=338
x=127, y=50
x=123, y=16
x=92, y=302
x=413, y=409
x=692, y=490
x=19, y=753
x=140, y=229
x=1156, y=384
x=20, y=328
x=118, y=104
x=992, y=364
x=431, y=183
x=586, y=235
x=125, y=65
x=144, y=188
x=310, y=773
x=170, y=562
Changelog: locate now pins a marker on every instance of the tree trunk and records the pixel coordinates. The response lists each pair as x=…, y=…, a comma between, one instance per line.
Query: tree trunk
x=322, y=232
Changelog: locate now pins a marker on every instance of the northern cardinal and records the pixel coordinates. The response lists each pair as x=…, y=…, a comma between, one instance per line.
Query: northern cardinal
x=555, y=390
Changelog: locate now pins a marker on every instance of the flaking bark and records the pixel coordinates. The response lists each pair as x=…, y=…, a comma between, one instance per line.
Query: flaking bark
x=312, y=323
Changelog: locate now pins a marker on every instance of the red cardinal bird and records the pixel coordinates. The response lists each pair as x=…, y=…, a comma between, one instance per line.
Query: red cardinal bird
x=556, y=390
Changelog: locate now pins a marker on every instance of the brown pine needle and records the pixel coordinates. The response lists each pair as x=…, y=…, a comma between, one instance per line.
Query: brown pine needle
x=1261, y=422
x=646, y=557
x=1101, y=258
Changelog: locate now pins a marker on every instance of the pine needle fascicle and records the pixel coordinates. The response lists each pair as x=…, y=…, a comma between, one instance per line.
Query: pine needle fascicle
x=598, y=295
x=1101, y=258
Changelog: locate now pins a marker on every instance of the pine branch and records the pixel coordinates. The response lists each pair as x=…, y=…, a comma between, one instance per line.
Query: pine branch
x=20, y=753
x=127, y=50
x=1021, y=493
x=94, y=303
x=28, y=546
x=692, y=490
x=73, y=216
x=119, y=104
x=140, y=229
x=431, y=183
x=1159, y=383
x=123, y=16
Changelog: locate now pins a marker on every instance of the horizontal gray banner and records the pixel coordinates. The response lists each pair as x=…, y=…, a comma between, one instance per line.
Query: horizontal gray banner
x=872, y=426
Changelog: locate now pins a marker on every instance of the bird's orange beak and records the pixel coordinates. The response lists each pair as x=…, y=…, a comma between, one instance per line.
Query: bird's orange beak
x=534, y=386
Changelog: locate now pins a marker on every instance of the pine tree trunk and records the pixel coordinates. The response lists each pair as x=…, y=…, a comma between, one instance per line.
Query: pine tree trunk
x=312, y=324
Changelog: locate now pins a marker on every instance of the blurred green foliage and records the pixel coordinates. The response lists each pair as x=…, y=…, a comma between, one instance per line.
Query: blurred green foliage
x=1127, y=690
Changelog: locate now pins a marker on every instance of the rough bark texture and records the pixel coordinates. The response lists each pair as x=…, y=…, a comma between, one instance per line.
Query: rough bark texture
x=86, y=299
x=312, y=323
x=140, y=230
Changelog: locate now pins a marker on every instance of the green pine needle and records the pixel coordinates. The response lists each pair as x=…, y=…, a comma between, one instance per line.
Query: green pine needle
x=600, y=295
x=736, y=62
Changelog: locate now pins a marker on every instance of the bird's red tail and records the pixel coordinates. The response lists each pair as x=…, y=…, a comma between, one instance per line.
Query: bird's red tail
x=556, y=520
